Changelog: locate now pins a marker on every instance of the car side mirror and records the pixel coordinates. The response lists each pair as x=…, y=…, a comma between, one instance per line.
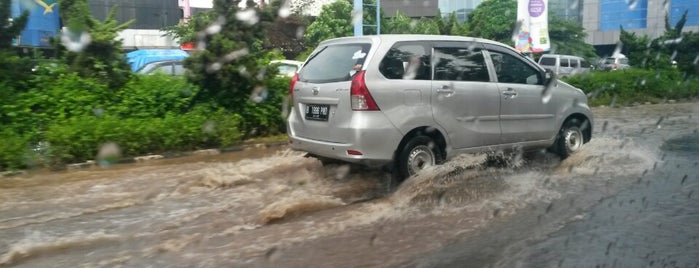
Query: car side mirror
x=549, y=78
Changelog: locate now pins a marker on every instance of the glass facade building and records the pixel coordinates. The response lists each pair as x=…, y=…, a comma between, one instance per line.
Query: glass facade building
x=461, y=7
x=566, y=9
x=629, y=14
x=678, y=7
x=149, y=14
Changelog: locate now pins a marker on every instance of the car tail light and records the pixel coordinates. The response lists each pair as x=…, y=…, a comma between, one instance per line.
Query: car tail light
x=294, y=79
x=614, y=66
x=354, y=152
x=360, y=96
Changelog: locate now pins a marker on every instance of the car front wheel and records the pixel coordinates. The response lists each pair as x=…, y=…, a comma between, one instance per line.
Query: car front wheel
x=570, y=138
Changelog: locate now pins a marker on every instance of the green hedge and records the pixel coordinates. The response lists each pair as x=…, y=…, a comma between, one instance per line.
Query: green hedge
x=58, y=117
x=625, y=87
x=80, y=138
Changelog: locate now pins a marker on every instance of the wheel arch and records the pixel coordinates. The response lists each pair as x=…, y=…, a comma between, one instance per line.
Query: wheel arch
x=433, y=133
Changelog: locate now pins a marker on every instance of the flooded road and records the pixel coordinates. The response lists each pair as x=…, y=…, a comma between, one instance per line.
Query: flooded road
x=629, y=199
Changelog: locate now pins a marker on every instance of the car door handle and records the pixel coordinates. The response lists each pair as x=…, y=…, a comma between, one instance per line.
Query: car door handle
x=510, y=92
x=445, y=89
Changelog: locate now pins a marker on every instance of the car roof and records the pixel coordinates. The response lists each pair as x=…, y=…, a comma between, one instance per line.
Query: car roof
x=408, y=37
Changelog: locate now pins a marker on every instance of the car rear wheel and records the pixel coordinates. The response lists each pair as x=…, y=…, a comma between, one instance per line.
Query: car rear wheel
x=419, y=153
x=570, y=138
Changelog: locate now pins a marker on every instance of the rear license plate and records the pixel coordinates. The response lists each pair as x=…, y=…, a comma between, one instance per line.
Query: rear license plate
x=318, y=112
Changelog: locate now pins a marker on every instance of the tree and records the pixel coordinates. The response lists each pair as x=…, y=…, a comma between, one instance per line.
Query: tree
x=335, y=20
x=100, y=55
x=568, y=37
x=13, y=69
x=494, y=20
x=10, y=27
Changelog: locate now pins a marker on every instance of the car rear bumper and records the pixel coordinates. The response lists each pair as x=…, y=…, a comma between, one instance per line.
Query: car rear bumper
x=372, y=140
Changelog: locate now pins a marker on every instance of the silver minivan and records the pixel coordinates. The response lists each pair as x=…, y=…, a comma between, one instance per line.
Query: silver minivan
x=564, y=65
x=411, y=101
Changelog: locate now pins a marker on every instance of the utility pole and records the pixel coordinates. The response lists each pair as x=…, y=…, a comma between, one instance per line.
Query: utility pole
x=359, y=22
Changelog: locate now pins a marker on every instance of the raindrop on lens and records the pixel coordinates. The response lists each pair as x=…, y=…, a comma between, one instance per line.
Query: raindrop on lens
x=356, y=16
x=248, y=16
x=284, y=10
x=300, y=31
x=75, y=42
x=632, y=4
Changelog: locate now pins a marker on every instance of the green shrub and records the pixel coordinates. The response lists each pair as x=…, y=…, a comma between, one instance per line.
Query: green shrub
x=263, y=113
x=630, y=86
x=153, y=96
x=79, y=138
x=14, y=150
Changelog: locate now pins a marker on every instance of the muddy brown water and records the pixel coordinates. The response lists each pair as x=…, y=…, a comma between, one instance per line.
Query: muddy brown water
x=272, y=207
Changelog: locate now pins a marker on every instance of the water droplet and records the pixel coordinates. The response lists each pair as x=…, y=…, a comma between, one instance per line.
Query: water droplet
x=549, y=208
x=98, y=112
x=209, y=127
x=300, y=32
x=75, y=42
x=632, y=4
x=259, y=94
x=643, y=82
x=546, y=94
x=108, y=154
x=604, y=126
x=357, y=16
x=213, y=29
x=248, y=16
x=214, y=67
x=574, y=5
x=496, y=212
x=284, y=10
x=683, y=179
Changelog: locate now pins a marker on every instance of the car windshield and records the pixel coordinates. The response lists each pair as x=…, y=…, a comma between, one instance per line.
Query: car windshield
x=609, y=60
x=334, y=63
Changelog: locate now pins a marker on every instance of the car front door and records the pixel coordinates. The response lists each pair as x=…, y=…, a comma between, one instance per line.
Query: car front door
x=525, y=113
x=465, y=101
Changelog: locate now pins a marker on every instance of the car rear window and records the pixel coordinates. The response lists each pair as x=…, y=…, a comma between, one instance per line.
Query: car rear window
x=547, y=61
x=334, y=63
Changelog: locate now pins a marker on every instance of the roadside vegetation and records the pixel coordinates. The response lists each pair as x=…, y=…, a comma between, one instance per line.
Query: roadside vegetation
x=65, y=109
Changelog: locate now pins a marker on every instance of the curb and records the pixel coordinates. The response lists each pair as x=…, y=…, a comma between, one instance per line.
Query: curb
x=152, y=157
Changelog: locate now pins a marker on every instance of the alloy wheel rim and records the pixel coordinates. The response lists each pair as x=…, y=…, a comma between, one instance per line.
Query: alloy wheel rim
x=573, y=140
x=420, y=158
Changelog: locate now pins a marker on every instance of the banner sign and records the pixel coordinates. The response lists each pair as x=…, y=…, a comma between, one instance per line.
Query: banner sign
x=532, y=22
x=43, y=23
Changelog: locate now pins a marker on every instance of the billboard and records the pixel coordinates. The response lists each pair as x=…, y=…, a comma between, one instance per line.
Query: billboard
x=532, y=34
x=43, y=22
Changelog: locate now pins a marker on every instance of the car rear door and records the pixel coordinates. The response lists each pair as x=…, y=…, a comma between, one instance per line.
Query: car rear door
x=464, y=100
x=321, y=96
x=525, y=113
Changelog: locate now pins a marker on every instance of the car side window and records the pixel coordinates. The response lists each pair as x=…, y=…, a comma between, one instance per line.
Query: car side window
x=407, y=60
x=165, y=68
x=564, y=63
x=510, y=69
x=573, y=63
x=460, y=64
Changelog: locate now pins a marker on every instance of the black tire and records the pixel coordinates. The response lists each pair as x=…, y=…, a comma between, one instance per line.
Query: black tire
x=420, y=152
x=570, y=138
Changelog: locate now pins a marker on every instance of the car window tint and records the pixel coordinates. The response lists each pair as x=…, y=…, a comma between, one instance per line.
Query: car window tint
x=573, y=63
x=564, y=63
x=510, y=69
x=460, y=64
x=165, y=68
x=407, y=60
x=334, y=63
x=547, y=61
